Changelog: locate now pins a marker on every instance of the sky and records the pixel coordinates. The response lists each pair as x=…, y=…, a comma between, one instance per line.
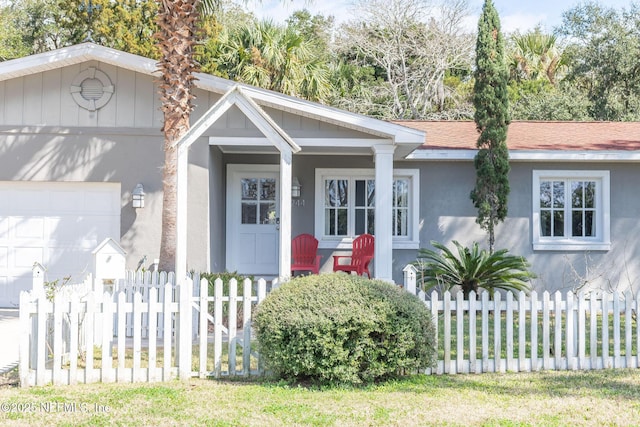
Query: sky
x=520, y=15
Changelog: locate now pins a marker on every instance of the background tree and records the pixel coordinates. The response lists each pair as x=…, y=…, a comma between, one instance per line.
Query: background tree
x=604, y=52
x=126, y=25
x=535, y=55
x=492, y=120
x=272, y=56
x=31, y=26
x=411, y=46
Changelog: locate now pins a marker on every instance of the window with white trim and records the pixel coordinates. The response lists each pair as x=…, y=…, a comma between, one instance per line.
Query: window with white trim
x=571, y=210
x=345, y=206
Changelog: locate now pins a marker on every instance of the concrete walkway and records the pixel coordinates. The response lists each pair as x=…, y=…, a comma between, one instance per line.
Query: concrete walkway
x=9, y=339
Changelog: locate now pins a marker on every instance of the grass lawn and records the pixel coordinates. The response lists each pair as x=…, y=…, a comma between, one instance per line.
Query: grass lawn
x=595, y=398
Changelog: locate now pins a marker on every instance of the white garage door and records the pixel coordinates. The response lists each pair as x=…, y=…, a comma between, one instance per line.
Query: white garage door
x=57, y=224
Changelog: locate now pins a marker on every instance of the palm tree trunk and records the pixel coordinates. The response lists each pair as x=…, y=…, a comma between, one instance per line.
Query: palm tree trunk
x=177, y=28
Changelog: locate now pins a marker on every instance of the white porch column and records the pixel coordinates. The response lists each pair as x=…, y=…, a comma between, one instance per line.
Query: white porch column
x=284, y=269
x=181, y=213
x=383, y=212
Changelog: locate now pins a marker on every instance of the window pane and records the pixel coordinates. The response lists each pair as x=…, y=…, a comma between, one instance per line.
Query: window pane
x=589, y=224
x=267, y=213
x=249, y=188
x=249, y=213
x=371, y=192
x=576, y=224
x=336, y=192
x=330, y=222
x=360, y=221
x=342, y=222
x=401, y=193
x=268, y=189
x=401, y=223
x=360, y=193
x=545, y=223
x=558, y=223
x=576, y=194
x=370, y=221
x=545, y=194
x=558, y=194
x=590, y=194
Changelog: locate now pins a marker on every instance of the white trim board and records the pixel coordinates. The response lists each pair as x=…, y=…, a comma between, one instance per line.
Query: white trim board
x=531, y=155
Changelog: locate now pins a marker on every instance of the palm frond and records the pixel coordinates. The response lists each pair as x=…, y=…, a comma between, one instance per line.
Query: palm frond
x=472, y=269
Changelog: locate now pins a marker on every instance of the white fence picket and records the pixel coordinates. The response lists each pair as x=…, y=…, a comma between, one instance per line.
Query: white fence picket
x=232, y=324
x=152, y=309
x=246, y=326
x=217, y=328
x=108, y=373
x=474, y=366
x=203, y=321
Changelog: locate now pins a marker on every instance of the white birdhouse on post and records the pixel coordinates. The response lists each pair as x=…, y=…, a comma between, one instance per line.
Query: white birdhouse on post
x=109, y=263
x=38, y=278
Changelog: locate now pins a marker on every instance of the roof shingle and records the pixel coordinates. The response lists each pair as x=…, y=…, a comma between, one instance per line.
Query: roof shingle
x=534, y=135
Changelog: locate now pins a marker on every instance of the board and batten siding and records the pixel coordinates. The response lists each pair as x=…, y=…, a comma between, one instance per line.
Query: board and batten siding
x=45, y=99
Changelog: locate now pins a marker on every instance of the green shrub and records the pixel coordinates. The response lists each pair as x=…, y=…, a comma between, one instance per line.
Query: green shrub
x=340, y=328
x=226, y=278
x=472, y=269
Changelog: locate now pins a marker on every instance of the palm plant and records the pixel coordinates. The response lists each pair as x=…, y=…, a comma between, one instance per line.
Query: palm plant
x=535, y=55
x=472, y=269
x=274, y=57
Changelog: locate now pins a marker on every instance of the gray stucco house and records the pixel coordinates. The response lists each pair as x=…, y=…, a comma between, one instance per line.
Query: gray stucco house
x=80, y=129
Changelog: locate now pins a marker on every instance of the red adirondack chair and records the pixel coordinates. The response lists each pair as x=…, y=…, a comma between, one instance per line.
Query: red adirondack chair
x=304, y=254
x=361, y=256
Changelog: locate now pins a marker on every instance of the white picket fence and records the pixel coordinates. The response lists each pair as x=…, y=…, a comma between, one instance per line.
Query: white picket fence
x=88, y=337
x=523, y=333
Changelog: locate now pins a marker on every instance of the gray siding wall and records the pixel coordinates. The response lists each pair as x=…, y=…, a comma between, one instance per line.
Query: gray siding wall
x=127, y=159
x=448, y=214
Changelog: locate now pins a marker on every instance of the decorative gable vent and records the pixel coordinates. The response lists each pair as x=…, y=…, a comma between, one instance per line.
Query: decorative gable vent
x=92, y=89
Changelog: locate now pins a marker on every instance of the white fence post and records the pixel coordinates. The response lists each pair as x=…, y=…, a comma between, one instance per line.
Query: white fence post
x=37, y=291
x=410, y=274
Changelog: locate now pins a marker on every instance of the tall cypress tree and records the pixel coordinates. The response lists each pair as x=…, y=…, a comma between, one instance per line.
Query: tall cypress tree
x=492, y=120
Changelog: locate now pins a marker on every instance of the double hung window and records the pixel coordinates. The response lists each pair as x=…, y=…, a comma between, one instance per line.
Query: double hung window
x=345, y=207
x=571, y=210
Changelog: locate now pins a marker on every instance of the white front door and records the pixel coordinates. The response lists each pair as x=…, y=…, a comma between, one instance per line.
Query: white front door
x=253, y=219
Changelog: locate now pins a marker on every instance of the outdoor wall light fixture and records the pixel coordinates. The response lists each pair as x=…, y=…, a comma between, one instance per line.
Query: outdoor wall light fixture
x=137, y=196
x=296, y=188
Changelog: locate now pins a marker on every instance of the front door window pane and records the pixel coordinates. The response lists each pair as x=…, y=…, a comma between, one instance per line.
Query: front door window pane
x=249, y=189
x=268, y=189
x=249, y=213
x=267, y=213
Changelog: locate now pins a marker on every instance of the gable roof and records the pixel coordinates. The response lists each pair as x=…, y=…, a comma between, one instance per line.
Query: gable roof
x=92, y=52
x=534, y=140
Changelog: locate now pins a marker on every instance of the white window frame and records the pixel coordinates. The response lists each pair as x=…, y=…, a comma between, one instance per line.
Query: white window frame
x=602, y=240
x=411, y=241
